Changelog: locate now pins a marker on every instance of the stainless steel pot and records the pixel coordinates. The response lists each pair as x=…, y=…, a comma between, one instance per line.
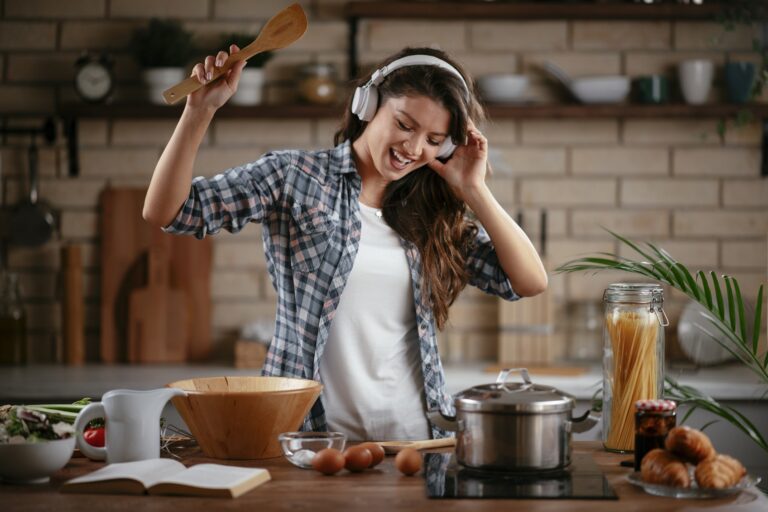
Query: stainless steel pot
x=514, y=426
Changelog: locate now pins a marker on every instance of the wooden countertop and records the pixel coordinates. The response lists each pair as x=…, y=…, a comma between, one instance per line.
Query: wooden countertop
x=384, y=488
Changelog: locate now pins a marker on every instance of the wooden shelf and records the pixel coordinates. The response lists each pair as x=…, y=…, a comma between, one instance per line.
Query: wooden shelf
x=495, y=111
x=473, y=10
x=145, y=111
x=548, y=111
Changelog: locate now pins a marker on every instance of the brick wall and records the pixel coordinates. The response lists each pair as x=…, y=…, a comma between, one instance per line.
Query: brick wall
x=675, y=182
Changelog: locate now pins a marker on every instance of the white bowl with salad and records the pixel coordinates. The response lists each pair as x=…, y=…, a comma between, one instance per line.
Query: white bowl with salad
x=33, y=444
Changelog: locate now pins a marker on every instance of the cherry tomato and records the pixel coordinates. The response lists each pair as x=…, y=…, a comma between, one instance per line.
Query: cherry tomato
x=95, y=436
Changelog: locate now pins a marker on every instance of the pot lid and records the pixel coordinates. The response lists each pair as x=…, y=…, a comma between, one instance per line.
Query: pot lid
x=514, y=397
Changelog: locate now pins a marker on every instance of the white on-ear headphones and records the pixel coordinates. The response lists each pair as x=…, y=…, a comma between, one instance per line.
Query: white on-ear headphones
x=366, y=98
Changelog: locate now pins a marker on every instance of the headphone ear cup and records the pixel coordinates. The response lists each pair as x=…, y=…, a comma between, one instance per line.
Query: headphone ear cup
x=357, y=102
x=446, y=148
x=364, y=102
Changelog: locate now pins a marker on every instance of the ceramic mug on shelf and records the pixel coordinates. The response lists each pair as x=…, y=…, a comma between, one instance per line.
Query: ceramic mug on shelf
x=739, y=81
x=652, y=89
x=696, y=80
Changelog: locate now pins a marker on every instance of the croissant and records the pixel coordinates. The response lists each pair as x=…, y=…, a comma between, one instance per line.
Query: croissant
x=719, y=472
x=661, y=467
x=689, y=444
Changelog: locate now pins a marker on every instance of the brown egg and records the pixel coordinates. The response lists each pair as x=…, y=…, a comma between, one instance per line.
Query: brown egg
x=358, y=458
x=408, y=461
x=376, y=451
x=328, y=461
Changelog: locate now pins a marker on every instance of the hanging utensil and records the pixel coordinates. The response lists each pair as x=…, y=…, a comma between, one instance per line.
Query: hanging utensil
x=283, y=29
x=32, y=222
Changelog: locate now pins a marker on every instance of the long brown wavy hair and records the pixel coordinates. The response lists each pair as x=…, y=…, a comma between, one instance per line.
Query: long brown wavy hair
x=421, y=207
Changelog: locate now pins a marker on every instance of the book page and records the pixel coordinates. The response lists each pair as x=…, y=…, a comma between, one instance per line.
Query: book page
x=213, y=476
x=148, y=472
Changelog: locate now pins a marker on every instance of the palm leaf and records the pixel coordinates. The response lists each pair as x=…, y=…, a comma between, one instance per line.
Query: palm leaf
x=758, y=319
x=707, y=292
x=719, y=295
x=729, y=320
x=740, y=303
x=731, y=310
x=696, y=400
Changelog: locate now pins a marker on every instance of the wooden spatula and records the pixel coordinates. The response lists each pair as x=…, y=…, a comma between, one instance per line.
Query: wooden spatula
x=281, y=30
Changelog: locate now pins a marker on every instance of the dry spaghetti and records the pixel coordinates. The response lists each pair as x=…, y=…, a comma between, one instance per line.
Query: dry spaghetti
x=633, y=337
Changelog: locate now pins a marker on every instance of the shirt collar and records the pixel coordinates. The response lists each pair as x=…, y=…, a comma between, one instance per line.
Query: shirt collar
x=342, y=160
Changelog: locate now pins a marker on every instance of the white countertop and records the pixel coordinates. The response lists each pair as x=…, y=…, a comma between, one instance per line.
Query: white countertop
x=54, y=382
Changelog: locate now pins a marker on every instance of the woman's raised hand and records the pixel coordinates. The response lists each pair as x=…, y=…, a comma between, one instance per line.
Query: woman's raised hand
x=465, y=171
x=217, y=93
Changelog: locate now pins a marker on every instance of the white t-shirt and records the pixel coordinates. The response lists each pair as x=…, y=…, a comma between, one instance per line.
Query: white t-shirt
x=371, y=364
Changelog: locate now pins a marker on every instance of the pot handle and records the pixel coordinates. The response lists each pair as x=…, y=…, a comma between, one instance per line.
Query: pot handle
x=586, y=421
x=439, y=419
x=504, y=375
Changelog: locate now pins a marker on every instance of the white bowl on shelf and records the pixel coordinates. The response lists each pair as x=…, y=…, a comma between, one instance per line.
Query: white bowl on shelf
x=503, y=87
x=34, y=463
x=601, y=89
x=592, y=89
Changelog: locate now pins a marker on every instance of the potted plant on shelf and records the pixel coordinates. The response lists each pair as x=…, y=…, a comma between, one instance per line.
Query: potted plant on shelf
x=725, y=319
x=249, y=89
x=745, y=80
x=162, y=49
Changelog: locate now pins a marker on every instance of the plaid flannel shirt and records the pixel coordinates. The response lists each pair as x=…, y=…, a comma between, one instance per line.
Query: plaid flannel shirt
x=307, y=203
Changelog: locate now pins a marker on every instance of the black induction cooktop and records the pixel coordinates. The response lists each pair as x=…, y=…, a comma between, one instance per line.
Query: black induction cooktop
x=445, y=478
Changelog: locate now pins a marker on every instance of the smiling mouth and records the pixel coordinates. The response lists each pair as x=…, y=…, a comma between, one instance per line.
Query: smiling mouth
x=398, y=160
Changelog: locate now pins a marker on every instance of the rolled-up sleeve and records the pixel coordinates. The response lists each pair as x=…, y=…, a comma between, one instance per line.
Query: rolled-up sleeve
x=485, y=271
x=232, y=199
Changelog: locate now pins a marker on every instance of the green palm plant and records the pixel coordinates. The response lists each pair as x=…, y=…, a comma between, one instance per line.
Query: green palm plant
x=725, y=314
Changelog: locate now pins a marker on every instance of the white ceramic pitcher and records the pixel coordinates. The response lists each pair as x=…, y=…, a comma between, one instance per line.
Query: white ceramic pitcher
x=132, y=421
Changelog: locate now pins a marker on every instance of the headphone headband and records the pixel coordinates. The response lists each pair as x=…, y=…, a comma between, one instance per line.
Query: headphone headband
x=414, y=60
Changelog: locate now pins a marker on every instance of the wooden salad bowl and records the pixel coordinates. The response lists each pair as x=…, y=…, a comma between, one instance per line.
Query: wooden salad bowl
x=241, y=417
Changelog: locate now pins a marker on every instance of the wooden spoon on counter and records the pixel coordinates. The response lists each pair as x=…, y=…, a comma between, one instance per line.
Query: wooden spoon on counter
x=391, y=447
x=283, y=29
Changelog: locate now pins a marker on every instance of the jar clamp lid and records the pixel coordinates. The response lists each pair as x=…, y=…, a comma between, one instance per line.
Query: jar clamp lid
x=515, y=397
x=638, y=293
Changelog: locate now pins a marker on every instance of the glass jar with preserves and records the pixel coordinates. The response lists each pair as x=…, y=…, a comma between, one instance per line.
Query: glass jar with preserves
x=653, y=421
x=633, y=357
x=13, y=321
x=317, y=84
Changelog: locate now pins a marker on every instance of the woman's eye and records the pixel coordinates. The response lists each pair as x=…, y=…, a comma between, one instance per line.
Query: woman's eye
x=402, y=126
x=433, y=142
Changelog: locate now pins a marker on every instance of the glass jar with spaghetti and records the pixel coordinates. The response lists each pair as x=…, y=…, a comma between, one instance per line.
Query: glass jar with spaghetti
x=633, y=357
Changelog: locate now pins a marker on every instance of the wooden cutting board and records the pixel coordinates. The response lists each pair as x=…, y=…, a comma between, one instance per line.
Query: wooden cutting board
x=527, y=326
x=157, y=314
x=72, y=305
x=125, y=238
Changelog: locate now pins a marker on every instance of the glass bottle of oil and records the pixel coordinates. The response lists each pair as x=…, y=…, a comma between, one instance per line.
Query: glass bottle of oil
x=13, y=321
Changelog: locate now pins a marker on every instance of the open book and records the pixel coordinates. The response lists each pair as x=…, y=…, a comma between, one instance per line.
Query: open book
x=167, y=476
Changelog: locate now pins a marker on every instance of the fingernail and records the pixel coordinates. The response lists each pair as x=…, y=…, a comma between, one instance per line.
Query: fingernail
x=209, y=76
x=219, y=63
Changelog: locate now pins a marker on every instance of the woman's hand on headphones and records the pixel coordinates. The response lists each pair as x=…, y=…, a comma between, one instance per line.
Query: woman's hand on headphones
x=465, y=171
x=216, y=93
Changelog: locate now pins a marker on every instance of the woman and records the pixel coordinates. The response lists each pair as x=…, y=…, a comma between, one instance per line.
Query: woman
x=367, y=244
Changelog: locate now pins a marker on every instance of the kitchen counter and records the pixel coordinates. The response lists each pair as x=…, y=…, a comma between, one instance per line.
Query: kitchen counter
x=383, y=488
x=731, y=384
x=63, y=383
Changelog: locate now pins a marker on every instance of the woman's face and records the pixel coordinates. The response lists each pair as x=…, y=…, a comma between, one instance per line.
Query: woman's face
x=405, y=134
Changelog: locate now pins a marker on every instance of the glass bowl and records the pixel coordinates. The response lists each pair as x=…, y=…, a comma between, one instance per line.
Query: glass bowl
x=300, y=447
